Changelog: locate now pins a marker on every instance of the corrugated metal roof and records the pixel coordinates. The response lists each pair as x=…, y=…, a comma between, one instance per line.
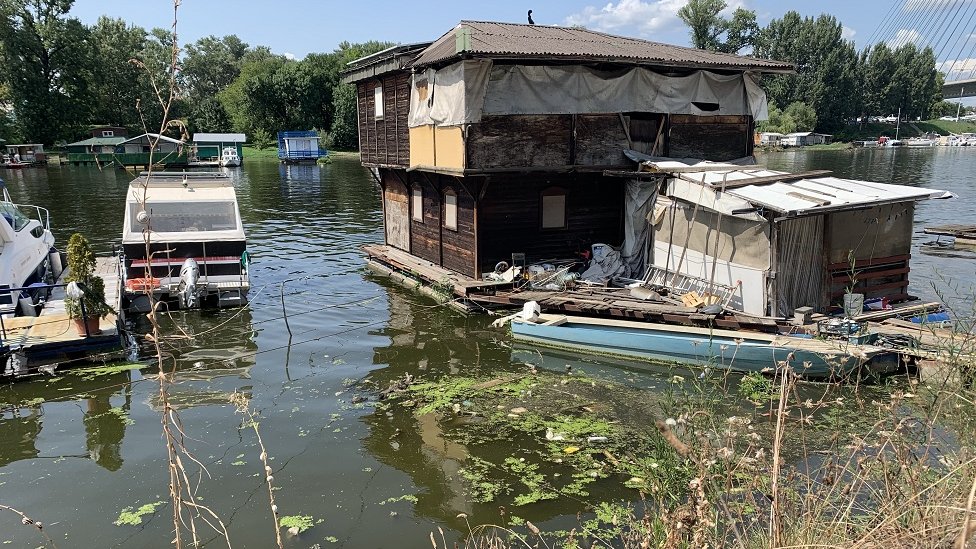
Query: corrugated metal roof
x=97, y=141
x=811, y=196
x=540, y=41
x=219, y=138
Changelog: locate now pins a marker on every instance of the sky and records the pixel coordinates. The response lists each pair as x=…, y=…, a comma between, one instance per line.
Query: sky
x=298, y=27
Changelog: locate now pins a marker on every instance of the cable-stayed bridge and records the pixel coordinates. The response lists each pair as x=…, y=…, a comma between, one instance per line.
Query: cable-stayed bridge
x=946, y=26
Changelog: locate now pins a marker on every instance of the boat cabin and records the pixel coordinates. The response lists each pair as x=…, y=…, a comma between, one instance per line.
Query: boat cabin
x=210, y=146
x=196, y=240
x=299, y=146
x=499, y=141
x=31, y=153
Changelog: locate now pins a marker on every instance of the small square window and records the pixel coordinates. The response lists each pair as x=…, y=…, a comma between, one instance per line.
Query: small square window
x=450, y=210
x=553, y=209
x=417, y=204
x=378, y=102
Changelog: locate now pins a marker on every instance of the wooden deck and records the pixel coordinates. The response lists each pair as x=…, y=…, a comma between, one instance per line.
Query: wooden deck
x=429, y=272
x=51, y=338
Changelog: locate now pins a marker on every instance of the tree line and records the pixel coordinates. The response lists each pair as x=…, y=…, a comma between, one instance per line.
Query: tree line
x=832, y=78
x=61, y=76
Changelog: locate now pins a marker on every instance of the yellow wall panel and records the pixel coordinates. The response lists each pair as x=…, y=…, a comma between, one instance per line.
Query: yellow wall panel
x=449, y=147
x=422, y=146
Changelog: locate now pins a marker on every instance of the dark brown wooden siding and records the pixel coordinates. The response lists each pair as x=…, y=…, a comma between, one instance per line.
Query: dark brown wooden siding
x=509, y=217
x=710, y=137
x=385, y=141
x=430, y=240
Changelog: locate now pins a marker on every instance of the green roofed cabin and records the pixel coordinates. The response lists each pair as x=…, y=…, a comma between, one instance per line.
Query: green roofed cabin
x=503, y=140
x=209, y=146
x=98, y=148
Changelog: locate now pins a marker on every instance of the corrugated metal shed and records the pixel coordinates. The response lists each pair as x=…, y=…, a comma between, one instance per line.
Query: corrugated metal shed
x=219, y=138
x=490, y=39
x=809, y=196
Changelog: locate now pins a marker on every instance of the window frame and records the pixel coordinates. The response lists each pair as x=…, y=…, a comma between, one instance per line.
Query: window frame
x=553, y=192
x=379, y=107
x=450, y=192
x=108, y=133
x=417, y=195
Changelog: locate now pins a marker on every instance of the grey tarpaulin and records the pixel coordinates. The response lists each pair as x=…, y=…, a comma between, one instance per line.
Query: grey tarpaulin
x=464, y=91
x=639, y=198
x=605, y=265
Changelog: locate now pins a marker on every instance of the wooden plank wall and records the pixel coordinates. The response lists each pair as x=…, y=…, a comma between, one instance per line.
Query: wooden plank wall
x=430, y=240
x=396, y=211
x=509, y=217
x=520, y=141
x=710, y=137
x=385, y=141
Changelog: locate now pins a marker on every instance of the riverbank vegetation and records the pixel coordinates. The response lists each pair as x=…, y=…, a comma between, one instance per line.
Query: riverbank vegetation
x=62, y=76
x=840, y=84
x=679, y=458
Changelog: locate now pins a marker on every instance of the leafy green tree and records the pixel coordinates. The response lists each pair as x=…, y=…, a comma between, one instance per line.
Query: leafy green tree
x=116, y=82
x=826, y=66
x=48, y=61
x=344, y=134
x=211, y=64
x=707, y=26
x=802, y=115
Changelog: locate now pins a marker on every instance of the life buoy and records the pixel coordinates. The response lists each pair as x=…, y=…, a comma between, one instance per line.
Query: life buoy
x=142, y=284
x=501, y=267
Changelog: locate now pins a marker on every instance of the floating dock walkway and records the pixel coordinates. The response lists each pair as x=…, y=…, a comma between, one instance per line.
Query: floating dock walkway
x=45, y=343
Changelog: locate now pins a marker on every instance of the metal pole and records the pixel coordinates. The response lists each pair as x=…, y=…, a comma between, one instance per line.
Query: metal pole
x=962, y=90
x=84, y=315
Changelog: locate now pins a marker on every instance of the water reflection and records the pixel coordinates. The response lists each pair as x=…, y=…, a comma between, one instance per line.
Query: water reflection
x=103, y=399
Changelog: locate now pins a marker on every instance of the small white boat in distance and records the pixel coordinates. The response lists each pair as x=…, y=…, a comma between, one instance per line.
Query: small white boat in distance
x=26, y=253
x=229, y=158
x=197, y=252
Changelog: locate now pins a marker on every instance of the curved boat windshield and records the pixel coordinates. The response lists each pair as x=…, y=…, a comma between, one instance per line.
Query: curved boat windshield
x=13, y=216
x=180, y=217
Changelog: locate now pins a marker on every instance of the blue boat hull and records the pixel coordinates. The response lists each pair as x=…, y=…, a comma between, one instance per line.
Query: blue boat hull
x=718, y=349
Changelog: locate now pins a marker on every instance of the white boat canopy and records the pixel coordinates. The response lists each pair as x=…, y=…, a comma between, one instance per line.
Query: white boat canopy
x=734, y=190
x=182, y=207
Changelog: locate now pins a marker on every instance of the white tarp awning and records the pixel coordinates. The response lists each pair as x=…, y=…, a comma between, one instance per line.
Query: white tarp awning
x=464, y=91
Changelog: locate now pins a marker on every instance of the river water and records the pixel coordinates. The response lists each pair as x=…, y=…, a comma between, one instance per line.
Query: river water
x=77, y=450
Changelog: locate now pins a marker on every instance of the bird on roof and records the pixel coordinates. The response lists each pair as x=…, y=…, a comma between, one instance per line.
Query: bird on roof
x=531, y=22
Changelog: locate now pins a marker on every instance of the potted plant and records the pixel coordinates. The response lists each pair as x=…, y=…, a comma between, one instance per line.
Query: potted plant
x=87, y=310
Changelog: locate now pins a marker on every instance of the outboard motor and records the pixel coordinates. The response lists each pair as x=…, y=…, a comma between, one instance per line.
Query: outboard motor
x=189, y=275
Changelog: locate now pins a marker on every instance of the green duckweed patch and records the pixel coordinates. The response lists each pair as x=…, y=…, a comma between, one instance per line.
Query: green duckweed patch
x=539, y=436
x=298, y=523
x=100, y=371
x=130, y=516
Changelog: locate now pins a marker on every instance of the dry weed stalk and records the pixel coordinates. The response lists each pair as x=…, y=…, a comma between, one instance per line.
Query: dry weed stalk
x=187, y=509
x=243, y=405
x=29, y=521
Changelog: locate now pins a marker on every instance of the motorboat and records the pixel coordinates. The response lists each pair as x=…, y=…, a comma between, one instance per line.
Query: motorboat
x=27, y=256
x=183, y=242
x=229, y=158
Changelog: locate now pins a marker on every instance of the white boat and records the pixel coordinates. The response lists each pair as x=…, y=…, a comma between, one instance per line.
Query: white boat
x=919, y=142
x=229, y=158
x=197, y=251
x=27, y=254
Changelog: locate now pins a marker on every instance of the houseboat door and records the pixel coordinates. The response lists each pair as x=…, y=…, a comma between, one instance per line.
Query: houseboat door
x=397, y=209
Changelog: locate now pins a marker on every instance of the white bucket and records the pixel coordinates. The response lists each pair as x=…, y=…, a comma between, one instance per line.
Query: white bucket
x=853, y=305
x=530, y=311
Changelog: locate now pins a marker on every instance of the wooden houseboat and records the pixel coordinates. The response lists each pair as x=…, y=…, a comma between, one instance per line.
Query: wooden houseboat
x=506, y=144
x=499, y=139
